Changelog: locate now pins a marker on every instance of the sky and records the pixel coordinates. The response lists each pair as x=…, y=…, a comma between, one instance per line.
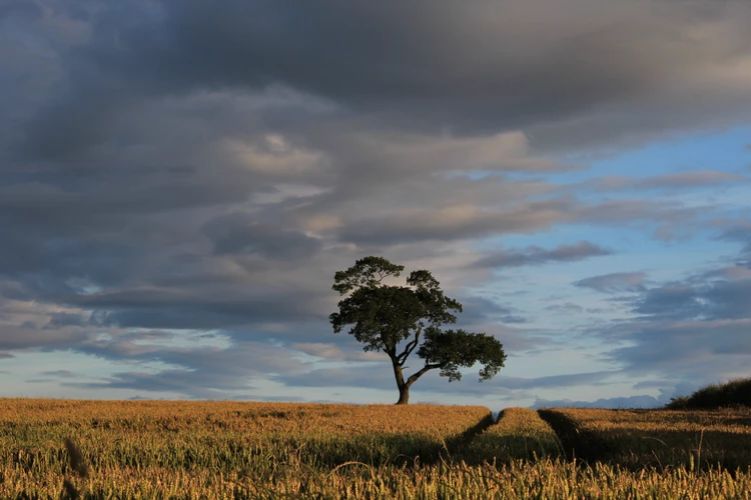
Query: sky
x=179, y=182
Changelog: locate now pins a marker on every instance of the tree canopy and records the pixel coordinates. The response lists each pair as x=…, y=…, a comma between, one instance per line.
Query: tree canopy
x=400, y=320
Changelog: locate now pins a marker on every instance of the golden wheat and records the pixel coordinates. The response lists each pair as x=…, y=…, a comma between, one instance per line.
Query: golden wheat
x=262, y=450
x=661, y=437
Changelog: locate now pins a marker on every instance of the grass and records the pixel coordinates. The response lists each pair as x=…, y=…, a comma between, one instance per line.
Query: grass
x=259, y=450
x=660, y=438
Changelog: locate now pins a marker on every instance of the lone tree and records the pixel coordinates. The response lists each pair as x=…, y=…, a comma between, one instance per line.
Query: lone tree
x=401, y=319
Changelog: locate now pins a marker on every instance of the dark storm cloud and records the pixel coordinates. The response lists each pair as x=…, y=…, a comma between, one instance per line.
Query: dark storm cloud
x=419, y=64
x=536, y=255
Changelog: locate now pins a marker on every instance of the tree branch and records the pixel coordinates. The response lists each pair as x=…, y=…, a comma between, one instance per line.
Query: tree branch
x=422, y=371
x=391, y=353
x=411, y=345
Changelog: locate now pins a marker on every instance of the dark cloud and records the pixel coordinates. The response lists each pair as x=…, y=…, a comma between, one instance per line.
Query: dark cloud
x=153, y=308
x=58, y=373
x=67, y=319
x=694, y=331
x=478, y=310
x=741, y=233
x=240, y=233
x=566, y=308
x=431, y=66
x=536, y=255
x=720, y=299
x=615, y=282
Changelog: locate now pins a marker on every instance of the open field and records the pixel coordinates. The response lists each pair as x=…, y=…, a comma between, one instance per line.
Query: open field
x=264, y=450
x=695, y=438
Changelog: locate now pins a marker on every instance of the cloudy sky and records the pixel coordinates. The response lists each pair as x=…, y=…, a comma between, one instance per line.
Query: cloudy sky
x=180, y=181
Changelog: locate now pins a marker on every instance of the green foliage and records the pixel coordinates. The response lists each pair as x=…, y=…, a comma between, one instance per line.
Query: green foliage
x=400, y=320
x=452, y=349
x=367, y=272
x=730, y=394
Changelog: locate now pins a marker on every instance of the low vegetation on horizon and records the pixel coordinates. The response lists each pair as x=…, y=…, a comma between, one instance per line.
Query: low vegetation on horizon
x=145, y=449
x=735, y=393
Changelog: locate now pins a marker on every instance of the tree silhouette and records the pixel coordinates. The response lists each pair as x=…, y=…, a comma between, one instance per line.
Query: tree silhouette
x=401, y=320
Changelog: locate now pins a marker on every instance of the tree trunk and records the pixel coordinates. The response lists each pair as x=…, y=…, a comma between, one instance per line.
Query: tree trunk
x=403, y=395
x=400, y=383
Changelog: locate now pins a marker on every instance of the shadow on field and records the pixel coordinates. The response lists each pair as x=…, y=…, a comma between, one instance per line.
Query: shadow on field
x=515, y=436
x=381, y=449
x=576, y=443
x=633, y=447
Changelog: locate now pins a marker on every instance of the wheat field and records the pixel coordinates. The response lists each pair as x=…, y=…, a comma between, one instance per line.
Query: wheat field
x=186, y=450
x=661, y=438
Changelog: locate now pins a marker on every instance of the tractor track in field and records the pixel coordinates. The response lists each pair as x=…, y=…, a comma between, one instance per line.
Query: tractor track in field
x=576, y=442
x=465, y=438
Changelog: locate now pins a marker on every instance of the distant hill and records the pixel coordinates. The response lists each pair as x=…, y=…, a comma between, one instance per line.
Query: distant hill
x=733, y=393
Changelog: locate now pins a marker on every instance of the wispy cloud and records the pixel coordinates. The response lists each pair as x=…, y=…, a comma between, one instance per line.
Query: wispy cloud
x=615, y=282
x=537, y=255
